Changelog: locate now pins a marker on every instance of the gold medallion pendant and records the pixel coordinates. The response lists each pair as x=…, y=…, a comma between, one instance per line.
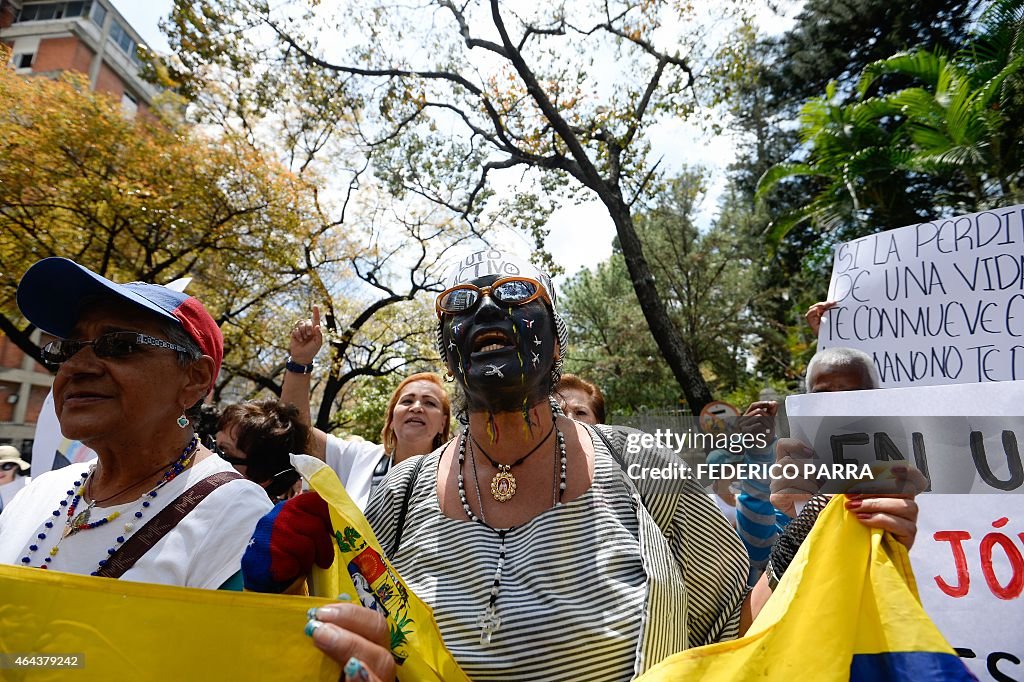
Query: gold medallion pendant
x=503, y=485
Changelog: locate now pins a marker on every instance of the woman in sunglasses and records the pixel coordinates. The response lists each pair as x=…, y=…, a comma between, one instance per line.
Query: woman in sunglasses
x=539, y=555
x=134, y=363
x=13, y=471
x=256, y=437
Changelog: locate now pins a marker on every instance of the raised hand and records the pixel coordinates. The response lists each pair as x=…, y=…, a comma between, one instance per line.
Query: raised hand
x=306, y=340
x=814, y=313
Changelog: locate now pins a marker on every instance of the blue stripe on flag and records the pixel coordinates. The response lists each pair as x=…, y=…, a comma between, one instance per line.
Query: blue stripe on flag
x=907, y=666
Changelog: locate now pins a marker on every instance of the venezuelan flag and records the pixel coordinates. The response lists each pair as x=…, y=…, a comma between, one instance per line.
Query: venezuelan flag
x=846, y=609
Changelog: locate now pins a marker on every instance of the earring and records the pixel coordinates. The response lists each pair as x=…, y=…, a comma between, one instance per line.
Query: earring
x=183, y=421
x=449, y=377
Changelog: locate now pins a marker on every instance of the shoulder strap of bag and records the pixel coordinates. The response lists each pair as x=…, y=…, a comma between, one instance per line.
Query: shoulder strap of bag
x=158, y=526
x=661, y=513
x=615, y=452
x=403, y=511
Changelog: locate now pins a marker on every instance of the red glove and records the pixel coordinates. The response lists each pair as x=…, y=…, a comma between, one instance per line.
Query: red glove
x=287, y=542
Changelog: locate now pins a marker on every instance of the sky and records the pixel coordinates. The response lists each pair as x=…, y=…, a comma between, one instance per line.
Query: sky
x=580, y=236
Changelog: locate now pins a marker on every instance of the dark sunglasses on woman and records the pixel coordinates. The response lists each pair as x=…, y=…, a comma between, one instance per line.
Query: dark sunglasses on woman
x=112, y=345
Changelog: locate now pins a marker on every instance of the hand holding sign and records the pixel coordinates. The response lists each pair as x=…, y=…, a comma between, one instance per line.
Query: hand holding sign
x=759, y=418
x=883, y=499
x=787, y=493
x=814, y=313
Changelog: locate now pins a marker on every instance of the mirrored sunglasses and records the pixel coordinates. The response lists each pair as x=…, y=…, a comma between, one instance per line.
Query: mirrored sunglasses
x=112, y=345
x=508, y=291
x=7, y=466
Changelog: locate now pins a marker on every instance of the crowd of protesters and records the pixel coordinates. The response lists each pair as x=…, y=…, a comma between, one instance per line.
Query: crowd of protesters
x=498, y=521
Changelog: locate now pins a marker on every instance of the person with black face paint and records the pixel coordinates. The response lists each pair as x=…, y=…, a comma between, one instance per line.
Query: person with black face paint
x=541, y=550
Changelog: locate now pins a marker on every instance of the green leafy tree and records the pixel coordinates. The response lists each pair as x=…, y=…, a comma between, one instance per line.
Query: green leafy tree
x=155, y=199
x=960, y=127
x=765, y=81
x=147, y=199
x=708, y=281
x=609, y=343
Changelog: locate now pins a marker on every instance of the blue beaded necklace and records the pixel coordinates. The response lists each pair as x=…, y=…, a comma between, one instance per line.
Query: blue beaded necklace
x=75, y=524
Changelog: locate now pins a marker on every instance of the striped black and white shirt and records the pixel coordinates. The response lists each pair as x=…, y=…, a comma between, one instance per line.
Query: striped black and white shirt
x=592, y=589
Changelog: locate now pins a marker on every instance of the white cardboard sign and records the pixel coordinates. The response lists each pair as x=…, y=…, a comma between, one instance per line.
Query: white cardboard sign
x=940, y=302
x=968, y=558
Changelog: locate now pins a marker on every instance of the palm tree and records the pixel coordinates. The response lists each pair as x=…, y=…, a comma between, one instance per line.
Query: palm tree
x=961, y=125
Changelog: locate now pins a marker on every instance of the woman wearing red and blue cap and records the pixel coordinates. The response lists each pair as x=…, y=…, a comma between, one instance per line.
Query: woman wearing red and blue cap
x=135, y=362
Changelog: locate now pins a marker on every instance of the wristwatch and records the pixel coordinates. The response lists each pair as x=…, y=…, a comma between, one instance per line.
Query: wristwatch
x=298, y=367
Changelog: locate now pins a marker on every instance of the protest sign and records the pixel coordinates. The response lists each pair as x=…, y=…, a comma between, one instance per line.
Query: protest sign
x=970, y=574
x=969, y=553
x=940, y=302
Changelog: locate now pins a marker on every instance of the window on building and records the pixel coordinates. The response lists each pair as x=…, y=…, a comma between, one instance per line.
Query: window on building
x=74, y=9
x=120, y=36
x=129, y=105
x=23, y=61
x=99, y=14
x=53, y=10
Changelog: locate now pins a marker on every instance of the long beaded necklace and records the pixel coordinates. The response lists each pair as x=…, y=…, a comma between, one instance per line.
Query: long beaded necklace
x=503, y=484
x=78, y=523
x=489, y=621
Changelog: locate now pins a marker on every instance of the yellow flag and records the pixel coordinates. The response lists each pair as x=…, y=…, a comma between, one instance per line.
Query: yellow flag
x=360, y=569
x=122, y=630
x=846, y=609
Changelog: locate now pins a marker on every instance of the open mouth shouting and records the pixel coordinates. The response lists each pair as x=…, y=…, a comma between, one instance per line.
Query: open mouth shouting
x=492, y=341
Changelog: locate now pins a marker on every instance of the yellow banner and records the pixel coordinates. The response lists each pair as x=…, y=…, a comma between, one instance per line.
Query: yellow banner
x=360, y=569
x=121, y=630
x=846, y=609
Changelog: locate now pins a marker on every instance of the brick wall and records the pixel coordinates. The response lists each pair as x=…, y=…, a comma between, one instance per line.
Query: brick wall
x=7, y=389
x=7, y=13
x=109, y=82
x=62, y=54
x=11, y=356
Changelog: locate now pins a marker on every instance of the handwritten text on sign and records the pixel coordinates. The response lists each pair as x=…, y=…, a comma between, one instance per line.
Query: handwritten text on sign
x=969, y=563
x=936, y=303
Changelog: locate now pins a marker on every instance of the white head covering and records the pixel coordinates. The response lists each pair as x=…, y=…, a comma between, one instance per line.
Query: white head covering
x=494, y=261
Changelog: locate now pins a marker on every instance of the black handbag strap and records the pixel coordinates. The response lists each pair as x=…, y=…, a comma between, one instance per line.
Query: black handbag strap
x=143, y=540
x=403, y=511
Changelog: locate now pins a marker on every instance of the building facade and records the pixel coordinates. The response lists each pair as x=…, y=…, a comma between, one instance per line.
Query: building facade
x=90, y=37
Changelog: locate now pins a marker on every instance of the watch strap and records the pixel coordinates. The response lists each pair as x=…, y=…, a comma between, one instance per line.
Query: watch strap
x=298, y=367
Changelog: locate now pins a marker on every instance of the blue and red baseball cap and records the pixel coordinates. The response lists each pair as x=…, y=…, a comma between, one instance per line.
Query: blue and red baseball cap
x=53, y=290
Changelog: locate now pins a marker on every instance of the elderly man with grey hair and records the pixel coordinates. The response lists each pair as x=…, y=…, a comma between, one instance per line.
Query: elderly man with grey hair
x=841, y=369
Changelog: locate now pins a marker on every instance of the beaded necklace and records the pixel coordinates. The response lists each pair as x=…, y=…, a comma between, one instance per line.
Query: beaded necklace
x=75, y=524
x=489, y=621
